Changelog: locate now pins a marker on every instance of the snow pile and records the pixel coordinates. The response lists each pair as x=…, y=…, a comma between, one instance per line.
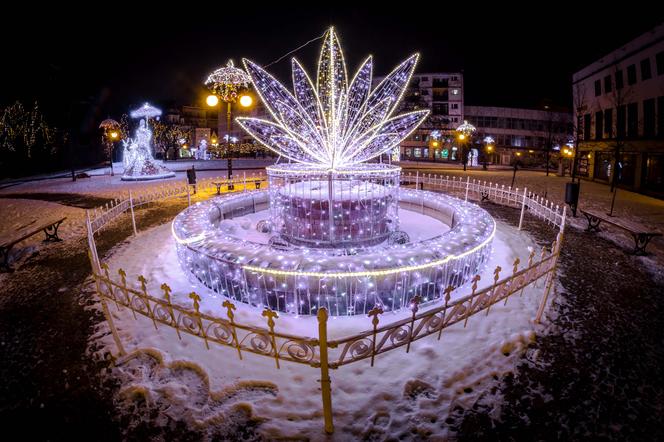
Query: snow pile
x=21, y=215
x=403, y=394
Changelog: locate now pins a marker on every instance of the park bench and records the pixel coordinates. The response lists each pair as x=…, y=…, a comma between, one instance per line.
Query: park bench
x=218, y=184
x=49, y=227
x=640, y=234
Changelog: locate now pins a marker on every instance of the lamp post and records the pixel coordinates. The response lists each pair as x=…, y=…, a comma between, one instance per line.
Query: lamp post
x=227, y=84
x=465, y=133
x=517, y=156
x=111, y=134
x=488, y=147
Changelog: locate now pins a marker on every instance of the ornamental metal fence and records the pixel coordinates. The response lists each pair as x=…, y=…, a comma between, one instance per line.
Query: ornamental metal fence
x=317, y=351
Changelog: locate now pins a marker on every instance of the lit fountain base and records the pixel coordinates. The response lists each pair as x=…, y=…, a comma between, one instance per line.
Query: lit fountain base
x=271, y=272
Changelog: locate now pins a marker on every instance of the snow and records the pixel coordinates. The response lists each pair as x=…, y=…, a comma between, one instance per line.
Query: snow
x=418, y=227
x=399, y=392
x=19, y=215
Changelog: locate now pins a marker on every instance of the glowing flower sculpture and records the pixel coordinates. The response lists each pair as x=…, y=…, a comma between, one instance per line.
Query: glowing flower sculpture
x=334, y=123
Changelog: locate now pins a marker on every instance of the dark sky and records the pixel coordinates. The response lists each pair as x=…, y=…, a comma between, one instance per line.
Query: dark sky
x=113, y=59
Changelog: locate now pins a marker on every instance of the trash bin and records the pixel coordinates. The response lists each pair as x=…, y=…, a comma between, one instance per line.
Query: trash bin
x=572, y=196
x=572, y=193
x=191, y=176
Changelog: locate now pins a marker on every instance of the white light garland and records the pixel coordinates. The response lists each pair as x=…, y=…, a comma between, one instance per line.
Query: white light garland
x=334, y=124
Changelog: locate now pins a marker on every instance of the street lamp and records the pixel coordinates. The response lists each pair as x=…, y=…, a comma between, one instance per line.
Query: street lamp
x=488, y=143
x=227, y=84
x=111, y=134
x=465, y=131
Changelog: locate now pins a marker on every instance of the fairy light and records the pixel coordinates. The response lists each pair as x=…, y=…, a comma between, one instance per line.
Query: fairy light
x=334, y=124
x=331, y=235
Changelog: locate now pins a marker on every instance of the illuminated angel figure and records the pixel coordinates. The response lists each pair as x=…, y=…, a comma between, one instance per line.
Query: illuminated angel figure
x=334, y=123
x=138, y=161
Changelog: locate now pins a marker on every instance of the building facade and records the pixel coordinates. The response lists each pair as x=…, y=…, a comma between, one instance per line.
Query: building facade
x=442, y=94
x=619, y=101
x=525, y=134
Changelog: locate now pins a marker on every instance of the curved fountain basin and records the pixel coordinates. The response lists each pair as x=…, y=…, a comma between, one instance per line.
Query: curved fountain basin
x=347, y=281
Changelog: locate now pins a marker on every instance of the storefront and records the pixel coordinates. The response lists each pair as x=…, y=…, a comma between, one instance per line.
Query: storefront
x=603, y=165
x=653, y=176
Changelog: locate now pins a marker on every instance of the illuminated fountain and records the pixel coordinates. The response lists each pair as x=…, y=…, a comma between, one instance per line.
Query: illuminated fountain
x=333, y=230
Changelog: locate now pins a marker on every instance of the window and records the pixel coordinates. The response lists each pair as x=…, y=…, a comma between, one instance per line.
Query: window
x=633, y=120
x=440, y=109
x=619, y=79
x=608, y=123
x=646, y=74
x=455, y=78
x=586, y=127
x=659, y=61
x=620, y=121
x=607, y=84
x=649, y=118
x=599, y=126
x=425, y=78
x=598, y=88
x=455, y=91
x=631, y=74
x=455, y=105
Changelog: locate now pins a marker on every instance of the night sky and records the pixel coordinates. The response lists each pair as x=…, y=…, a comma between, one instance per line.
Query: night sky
x=110, y=60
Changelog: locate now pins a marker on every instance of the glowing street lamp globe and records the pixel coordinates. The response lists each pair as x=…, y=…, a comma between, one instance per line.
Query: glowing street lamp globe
x=212, y=100
x=246, y=100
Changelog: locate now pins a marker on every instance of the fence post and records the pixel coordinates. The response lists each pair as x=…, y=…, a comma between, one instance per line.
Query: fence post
x=523, y=207
x=325, y=381
x=188, y=196
x=133, y=218
x=244, y=180
x=417, y=179
x=467, y=186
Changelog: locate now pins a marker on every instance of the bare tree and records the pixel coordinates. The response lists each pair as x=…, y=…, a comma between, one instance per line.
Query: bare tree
x=579, y=106
x=555, y=132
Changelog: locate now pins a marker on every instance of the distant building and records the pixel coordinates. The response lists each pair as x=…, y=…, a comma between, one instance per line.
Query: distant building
x=619, y=100
x=528, y=132
x=210, y=124
x=442, y=94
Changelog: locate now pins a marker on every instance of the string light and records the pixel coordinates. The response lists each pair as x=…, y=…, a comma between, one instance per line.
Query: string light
x=333, y=124
x=331, y=238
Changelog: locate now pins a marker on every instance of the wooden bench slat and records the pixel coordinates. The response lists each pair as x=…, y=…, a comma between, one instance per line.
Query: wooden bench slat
x=20, y=236
x=630, y=226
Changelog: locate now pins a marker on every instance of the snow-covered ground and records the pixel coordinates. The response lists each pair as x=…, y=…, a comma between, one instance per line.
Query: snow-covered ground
x=402, y=391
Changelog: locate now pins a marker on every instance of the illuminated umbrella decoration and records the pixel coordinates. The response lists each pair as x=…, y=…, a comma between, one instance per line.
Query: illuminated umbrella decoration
x=146, y=111
x=466, y=129
x=109, y=124
x=227, y=81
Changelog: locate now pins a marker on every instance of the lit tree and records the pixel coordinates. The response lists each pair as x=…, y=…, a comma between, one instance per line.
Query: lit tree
x=25, y=134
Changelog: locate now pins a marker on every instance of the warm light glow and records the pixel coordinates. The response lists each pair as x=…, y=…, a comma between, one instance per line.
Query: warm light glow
x=246, y=101
x=114, y=135
x=462, y=137
x=590, y=156
x=489, y=148
x=518, y=154
x=435, y=144
x=212, y=100
x=531, y=151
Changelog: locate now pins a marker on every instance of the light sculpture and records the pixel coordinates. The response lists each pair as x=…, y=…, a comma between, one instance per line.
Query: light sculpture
x=332, y=234
x=139, y=165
